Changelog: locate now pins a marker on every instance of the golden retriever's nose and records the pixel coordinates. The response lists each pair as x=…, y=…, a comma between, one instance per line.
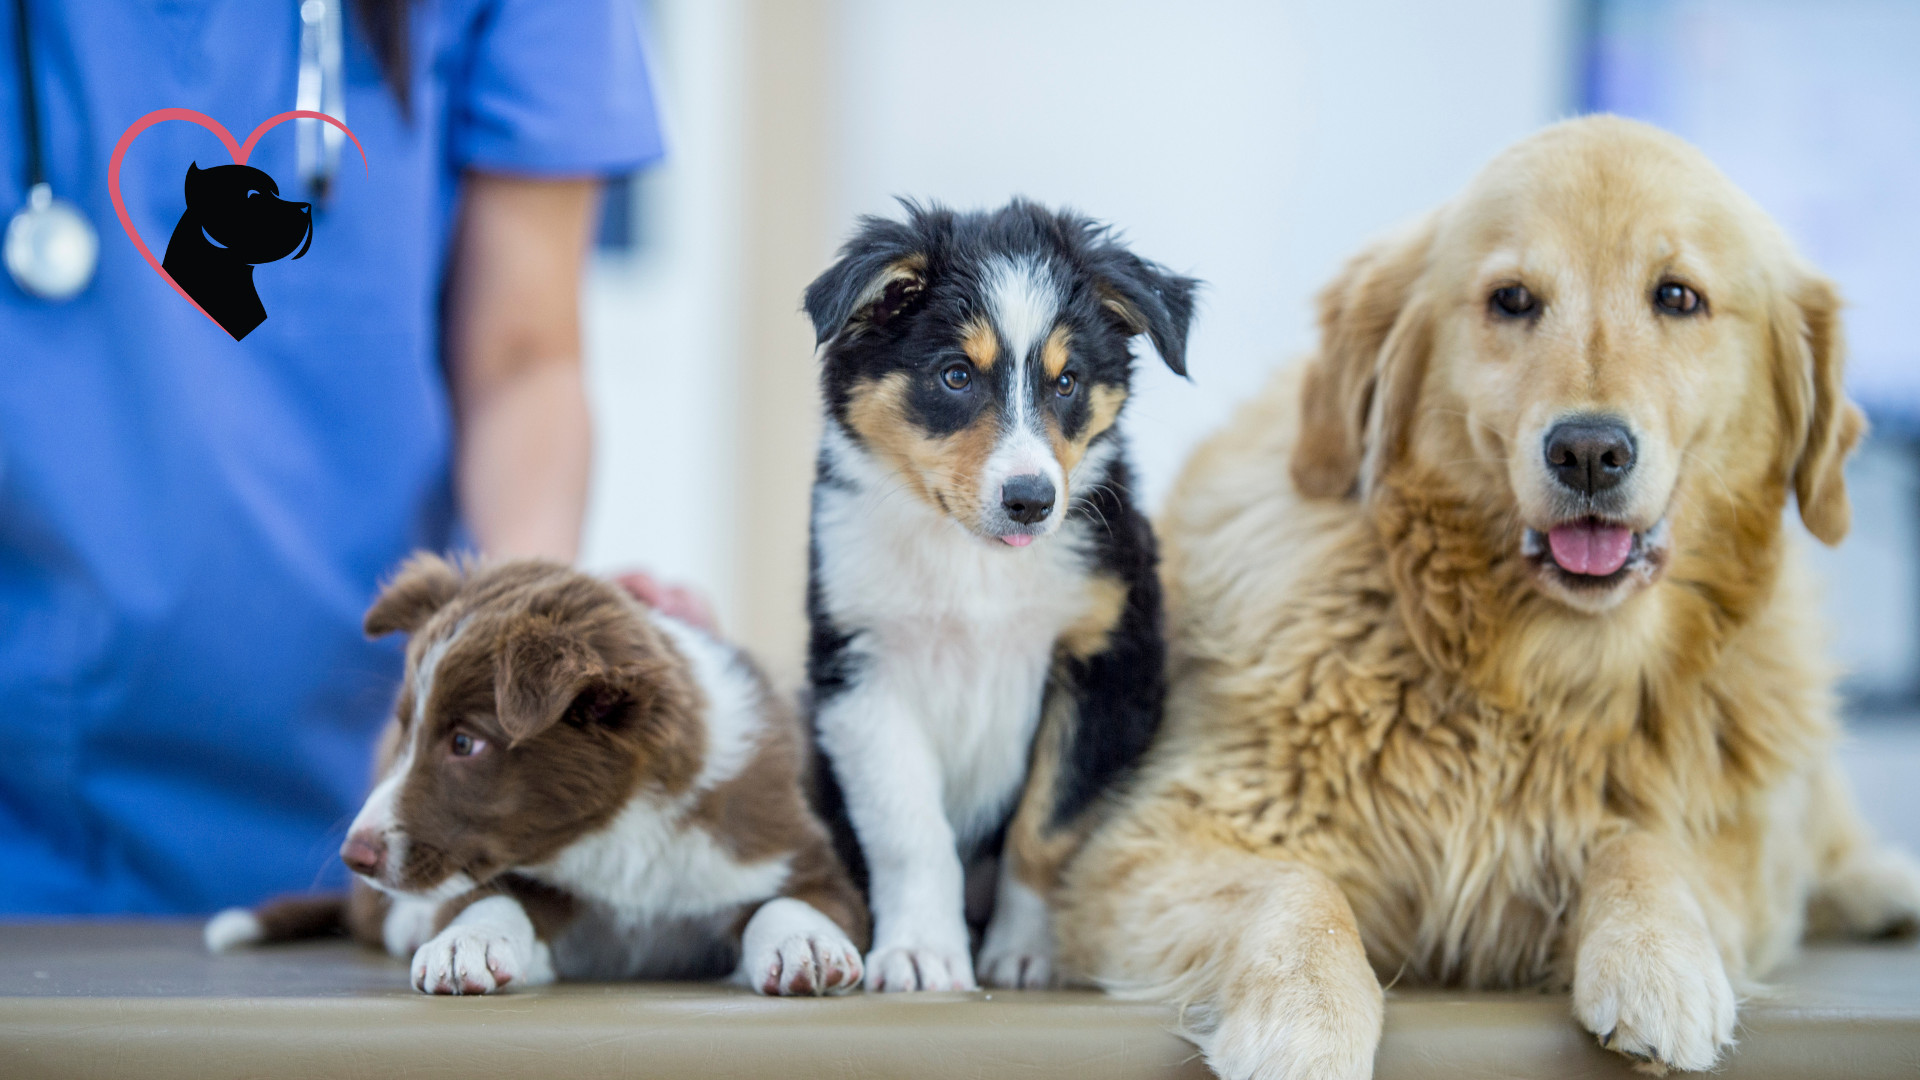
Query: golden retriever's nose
x=1589, y=455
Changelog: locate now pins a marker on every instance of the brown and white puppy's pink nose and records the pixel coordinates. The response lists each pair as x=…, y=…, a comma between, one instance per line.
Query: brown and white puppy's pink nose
x=365, y=853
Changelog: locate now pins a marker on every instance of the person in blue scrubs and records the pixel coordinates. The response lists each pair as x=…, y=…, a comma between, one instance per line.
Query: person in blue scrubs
x=191, y=526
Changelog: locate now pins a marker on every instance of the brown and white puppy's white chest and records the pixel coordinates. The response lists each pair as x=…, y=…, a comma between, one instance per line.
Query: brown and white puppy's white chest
x=580, y=787
x=657, y=889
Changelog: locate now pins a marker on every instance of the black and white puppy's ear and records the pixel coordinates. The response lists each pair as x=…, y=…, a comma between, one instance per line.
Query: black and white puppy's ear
x=881, y=273
x=1146, y=298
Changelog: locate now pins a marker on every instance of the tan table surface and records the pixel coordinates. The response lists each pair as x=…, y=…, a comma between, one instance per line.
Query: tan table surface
x=142, y=1001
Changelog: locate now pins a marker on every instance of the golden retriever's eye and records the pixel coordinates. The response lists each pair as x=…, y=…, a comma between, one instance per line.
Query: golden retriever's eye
x=1673, y=298
x=1065, y=383
x=957, y=377
x=465, y=745
x=1514, y=301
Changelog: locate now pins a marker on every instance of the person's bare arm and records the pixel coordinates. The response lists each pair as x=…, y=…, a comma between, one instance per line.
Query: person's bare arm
x=523, y=438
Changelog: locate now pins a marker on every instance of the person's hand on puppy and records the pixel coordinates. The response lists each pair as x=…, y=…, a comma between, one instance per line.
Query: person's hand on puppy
x=679, y=601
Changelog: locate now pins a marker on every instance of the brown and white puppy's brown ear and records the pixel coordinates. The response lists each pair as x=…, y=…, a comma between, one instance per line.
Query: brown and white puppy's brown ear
x=546, y=671
x=540, y=671
x=881, y=274
x=1358, y=395
x=1823, y=425
x=424, y=585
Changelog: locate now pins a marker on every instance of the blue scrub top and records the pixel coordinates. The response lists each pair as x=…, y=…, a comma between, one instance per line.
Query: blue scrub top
x=191, y=527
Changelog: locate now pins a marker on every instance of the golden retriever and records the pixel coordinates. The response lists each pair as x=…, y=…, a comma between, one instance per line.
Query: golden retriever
x=1492, y=661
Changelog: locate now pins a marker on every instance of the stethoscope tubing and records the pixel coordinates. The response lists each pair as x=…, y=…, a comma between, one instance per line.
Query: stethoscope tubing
x=29, y=96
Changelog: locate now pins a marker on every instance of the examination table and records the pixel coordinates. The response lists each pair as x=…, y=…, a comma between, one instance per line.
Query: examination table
x=143, y=1001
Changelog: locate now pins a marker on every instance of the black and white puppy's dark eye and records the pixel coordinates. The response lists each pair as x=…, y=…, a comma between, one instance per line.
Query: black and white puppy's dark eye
x=1065, y=383
x=464, y=745
x=1673, y=298
x=957, y=377
x=1514, y=301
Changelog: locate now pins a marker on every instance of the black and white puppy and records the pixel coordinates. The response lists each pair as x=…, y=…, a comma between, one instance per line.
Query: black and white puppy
x=986, y=655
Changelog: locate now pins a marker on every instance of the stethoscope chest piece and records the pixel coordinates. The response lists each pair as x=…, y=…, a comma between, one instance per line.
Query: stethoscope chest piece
x=51, y=247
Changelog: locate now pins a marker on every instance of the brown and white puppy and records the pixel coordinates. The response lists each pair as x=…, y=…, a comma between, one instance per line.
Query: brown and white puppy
x=574, y=786
x=1492, y=660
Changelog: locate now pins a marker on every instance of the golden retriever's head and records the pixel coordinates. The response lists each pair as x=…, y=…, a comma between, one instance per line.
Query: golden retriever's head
x=1605, y=343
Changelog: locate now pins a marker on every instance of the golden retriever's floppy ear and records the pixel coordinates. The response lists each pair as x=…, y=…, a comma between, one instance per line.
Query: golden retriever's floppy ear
x=1359, y=388
x=423, y=586
x=1823, y=425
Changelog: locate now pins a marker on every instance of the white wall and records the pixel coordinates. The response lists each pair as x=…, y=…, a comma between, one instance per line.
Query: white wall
x=663, y=338
x=1252, y=143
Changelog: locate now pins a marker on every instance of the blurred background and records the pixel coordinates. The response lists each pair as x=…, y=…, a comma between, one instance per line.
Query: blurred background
x=1252, y=143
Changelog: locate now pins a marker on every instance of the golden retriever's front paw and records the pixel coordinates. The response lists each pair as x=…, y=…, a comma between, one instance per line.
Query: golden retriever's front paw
x=1875, y=895
x=1322, y=1025
x=1659, y=995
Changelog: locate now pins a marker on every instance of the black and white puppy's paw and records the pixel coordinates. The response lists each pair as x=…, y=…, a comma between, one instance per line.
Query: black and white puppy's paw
x=925, y=946
x=1017, y=952
x=920, y=967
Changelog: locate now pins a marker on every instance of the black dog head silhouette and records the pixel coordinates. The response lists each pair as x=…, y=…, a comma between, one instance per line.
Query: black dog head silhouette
x=235, y=220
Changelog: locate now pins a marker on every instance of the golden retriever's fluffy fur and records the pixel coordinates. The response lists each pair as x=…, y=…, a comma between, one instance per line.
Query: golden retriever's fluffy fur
x=1403, y=742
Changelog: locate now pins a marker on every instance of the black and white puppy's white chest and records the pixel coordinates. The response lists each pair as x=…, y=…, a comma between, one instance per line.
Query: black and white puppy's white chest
x=961, y=635
x=985, y=657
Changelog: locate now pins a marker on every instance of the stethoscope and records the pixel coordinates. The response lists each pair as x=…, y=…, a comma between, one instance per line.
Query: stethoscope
x=51, y=247
x=52, y=250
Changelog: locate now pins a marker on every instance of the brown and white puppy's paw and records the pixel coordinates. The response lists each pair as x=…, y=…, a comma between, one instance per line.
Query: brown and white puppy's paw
x=1018, y=950
x=487, y=946
x=407, y=925
x=912, y=966
x=789, y=948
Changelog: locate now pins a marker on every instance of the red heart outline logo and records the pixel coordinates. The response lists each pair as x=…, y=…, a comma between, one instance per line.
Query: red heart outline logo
x=240, y=151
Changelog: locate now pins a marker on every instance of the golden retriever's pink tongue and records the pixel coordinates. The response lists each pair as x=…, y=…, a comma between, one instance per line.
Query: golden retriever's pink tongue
x=1588, y=547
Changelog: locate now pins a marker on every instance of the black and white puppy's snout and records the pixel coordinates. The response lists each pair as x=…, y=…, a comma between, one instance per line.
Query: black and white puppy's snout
x=1027, y=498
x=1589, y=454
